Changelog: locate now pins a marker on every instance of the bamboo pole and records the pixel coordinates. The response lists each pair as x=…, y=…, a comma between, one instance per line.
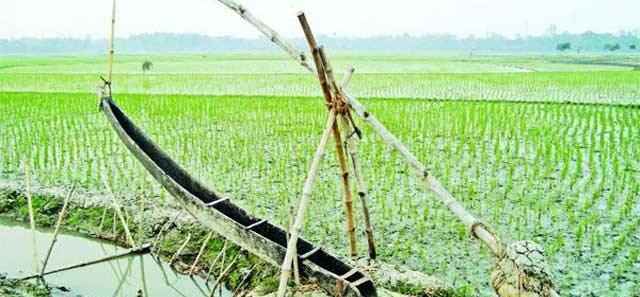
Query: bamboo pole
x=204, y=245
x=57, y=229
x=299, y=56
x=177, y=253
x=141, y=219
x=161, y=233
x=327, y=83
x=304, y=202
x=244, y=279
x=221, y=254
x=296, y=268
x=114, y=230
x=224, y=273
x=32, y=222
x=111, y=46
x=475, y=227
x=104, y=214
x=360, y=187
x=116, y=207
x=136, y=250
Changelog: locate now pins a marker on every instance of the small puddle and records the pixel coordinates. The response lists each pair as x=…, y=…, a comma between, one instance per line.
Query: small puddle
x=124, y=277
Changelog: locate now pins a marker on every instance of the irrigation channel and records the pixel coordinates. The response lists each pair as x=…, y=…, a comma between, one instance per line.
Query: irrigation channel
x=126, y=276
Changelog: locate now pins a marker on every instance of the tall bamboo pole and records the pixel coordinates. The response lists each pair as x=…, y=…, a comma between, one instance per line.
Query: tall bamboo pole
x=57, y=229
x=304, y=202
x=299, y=56
x=32, y=222
x=360, y=187
x=327, y=83
x=111, y=46
x=351, y=146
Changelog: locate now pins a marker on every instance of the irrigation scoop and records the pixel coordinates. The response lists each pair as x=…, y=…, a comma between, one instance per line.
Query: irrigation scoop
x=521, y=268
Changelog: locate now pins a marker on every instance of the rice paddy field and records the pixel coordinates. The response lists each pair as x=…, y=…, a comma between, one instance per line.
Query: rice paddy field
x=537, y=147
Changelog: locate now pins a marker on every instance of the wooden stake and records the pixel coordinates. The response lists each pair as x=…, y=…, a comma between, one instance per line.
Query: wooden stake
x=32, y=222
x=304, y=202
x=137, y=250
x=161, y=233
x=57, y=229
x=141, y=220
x=177, y=253
x=104, y=214
x=244, y=279
x=224, y=273
x=116, y=207
x=221, y=254
x=204, y=245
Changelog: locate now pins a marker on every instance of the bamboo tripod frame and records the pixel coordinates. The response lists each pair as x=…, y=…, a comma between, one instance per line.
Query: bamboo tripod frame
x=338, y=110
x=476, y=228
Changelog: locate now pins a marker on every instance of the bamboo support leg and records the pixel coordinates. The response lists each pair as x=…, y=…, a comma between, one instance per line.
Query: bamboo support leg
x=204, y=245
x=296, y=269
x=328, y=86
x=476, y=228
x=177, y=253
x=244, y=280
x=104, y=214
x=141, y=219
x=224, y=273
x=352, y=151
x=57, y=229
x=137, y=250
x=221, y=254
x=360, y=187
x=304, y=202
x=32, y=222
x=116, y=207
x=164, y=228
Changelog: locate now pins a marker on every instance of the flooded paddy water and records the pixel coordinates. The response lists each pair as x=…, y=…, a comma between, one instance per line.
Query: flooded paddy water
x=136, y=275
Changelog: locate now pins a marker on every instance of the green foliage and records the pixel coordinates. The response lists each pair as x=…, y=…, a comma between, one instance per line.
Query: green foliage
x=563, y=46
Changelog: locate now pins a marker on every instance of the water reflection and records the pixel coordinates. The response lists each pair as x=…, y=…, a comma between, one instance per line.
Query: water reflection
x=140, y=275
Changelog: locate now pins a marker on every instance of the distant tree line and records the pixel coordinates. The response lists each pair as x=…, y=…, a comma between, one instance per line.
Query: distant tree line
x=194, y=43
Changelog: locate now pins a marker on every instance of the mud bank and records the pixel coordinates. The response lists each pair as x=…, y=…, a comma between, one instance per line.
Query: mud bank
x=167, y=230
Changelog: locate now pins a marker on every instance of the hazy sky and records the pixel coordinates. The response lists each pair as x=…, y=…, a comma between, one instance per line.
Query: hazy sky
x=78, y=18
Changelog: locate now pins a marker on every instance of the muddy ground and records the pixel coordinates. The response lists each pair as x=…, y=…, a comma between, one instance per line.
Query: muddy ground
x=166, y=229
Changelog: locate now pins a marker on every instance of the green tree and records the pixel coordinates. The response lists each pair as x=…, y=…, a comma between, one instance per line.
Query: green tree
x=563, y=46
x=146, y=66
